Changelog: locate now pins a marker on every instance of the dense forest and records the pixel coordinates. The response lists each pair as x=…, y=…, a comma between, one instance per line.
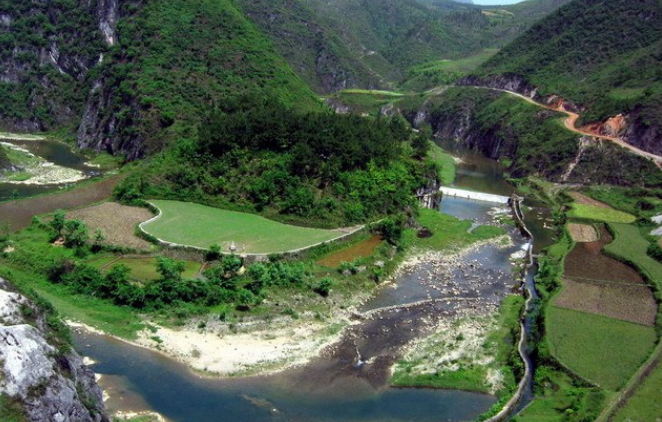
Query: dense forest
x=255, y=154
x=605, y=55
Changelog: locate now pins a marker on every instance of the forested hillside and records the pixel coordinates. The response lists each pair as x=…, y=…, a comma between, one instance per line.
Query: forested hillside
x=605, y=55
x=134, y=74
x=46, y=51
x=372, y=44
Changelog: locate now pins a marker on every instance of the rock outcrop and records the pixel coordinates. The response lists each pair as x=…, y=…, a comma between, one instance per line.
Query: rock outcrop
x=39, y=372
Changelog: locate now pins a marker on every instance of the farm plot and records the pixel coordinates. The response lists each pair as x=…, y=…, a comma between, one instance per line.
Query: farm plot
x=592, y=212
x=201, y=226
x=624, y=301
x=631, y=246
x=602, y=350
x=645, y=403
x=117, y=223
x=586, y=200
x=583, y=232
x=587, y=261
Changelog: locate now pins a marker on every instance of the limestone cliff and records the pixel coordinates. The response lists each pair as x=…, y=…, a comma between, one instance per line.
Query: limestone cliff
x=41, y=377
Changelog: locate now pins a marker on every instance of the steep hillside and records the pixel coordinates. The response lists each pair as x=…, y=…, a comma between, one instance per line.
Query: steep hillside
x=604, y=55
x=134, y=74
x=46, y=51
x=174, y=60
x=371, y=44
x=41, y=377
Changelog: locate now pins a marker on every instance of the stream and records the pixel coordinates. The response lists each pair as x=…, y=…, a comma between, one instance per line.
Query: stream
x=349, y=380
x=55, y=152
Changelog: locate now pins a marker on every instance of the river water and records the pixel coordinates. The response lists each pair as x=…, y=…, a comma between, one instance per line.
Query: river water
x=349, y=382
x=55, y=152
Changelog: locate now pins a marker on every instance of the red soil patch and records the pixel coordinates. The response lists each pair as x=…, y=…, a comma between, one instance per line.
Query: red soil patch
x=360, y=250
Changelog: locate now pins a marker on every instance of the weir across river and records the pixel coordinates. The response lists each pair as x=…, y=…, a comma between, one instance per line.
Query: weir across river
x=477, y=196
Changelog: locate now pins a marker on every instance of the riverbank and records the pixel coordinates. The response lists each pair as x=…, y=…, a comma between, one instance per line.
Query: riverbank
x=29, y=169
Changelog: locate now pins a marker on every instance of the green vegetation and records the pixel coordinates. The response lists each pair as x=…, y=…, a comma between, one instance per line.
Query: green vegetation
x=605, y=58
x=11, y=410
x=636, y=201
x=254, y=155
x=448, y=232
x=443, y=72
x=590, y=212
x=44, y=93
x=560, y=397
x=534, y=140
x=145, y=269
x=364, y=102
x=198, y=225
x=644, y=404
x=587, y=343
x=445, y=163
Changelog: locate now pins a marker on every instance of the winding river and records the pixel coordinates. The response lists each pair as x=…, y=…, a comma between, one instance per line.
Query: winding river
x=349, y=382
x=55, y=152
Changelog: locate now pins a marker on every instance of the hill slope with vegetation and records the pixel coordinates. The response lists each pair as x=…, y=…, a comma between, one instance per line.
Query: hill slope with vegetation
x=372, y=44
x=605, y=55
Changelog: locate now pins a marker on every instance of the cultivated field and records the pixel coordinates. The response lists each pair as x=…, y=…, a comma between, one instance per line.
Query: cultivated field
x=117, y=223
x=197, y=225
x=631, y=246
x=602, y=350
x=624, y=301
x=583, y=232
x=362, y=249
x=645, y=403
x=587, y=261
x=585, y=200
x=592, y=212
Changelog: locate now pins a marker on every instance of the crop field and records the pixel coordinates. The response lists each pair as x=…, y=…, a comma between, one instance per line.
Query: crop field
x=144, y=269
x=630, y=245
x=624, y=301
x=645, y=403
x=582, y=232
x=586, y=200
x=362, y=249
x=592, y=212
x=117, y=223
x=602, y=350
x=198, y=225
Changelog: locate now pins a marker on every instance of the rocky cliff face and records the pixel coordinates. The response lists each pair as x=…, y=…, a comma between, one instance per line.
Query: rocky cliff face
x=47, y=49
x=44, y=380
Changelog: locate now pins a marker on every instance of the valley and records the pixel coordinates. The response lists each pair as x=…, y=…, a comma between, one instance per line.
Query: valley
x=347, y=210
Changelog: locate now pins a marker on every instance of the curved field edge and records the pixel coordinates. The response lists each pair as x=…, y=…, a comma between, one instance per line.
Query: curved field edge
x=200, y=226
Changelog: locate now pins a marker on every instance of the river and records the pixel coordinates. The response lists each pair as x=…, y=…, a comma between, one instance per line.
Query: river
x=55, y=152
x=349, y=382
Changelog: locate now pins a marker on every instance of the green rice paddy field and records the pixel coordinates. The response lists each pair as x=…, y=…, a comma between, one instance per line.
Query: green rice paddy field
x=198, y=225
x=602, y=350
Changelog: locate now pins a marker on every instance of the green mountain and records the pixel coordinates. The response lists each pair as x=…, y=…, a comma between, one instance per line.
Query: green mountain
x=372, y=44
x=133, y=76
x=604, y=55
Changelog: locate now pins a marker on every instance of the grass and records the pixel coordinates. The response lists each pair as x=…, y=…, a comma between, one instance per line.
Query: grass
x=558, y=399
x=114, y=320
x=631, y=246
x=602, y=350
x=590, y=212
x=11, y=410
x=145, y=268
x=644, y=404
x=445, y=162
x=448, y=232
x=202, y=226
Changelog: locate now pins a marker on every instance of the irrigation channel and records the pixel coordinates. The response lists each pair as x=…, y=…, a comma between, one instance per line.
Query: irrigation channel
x=54, y=152
x=349, y=380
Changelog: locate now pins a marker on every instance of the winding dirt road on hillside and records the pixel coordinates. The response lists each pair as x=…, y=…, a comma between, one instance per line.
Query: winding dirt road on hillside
x=570, y=124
